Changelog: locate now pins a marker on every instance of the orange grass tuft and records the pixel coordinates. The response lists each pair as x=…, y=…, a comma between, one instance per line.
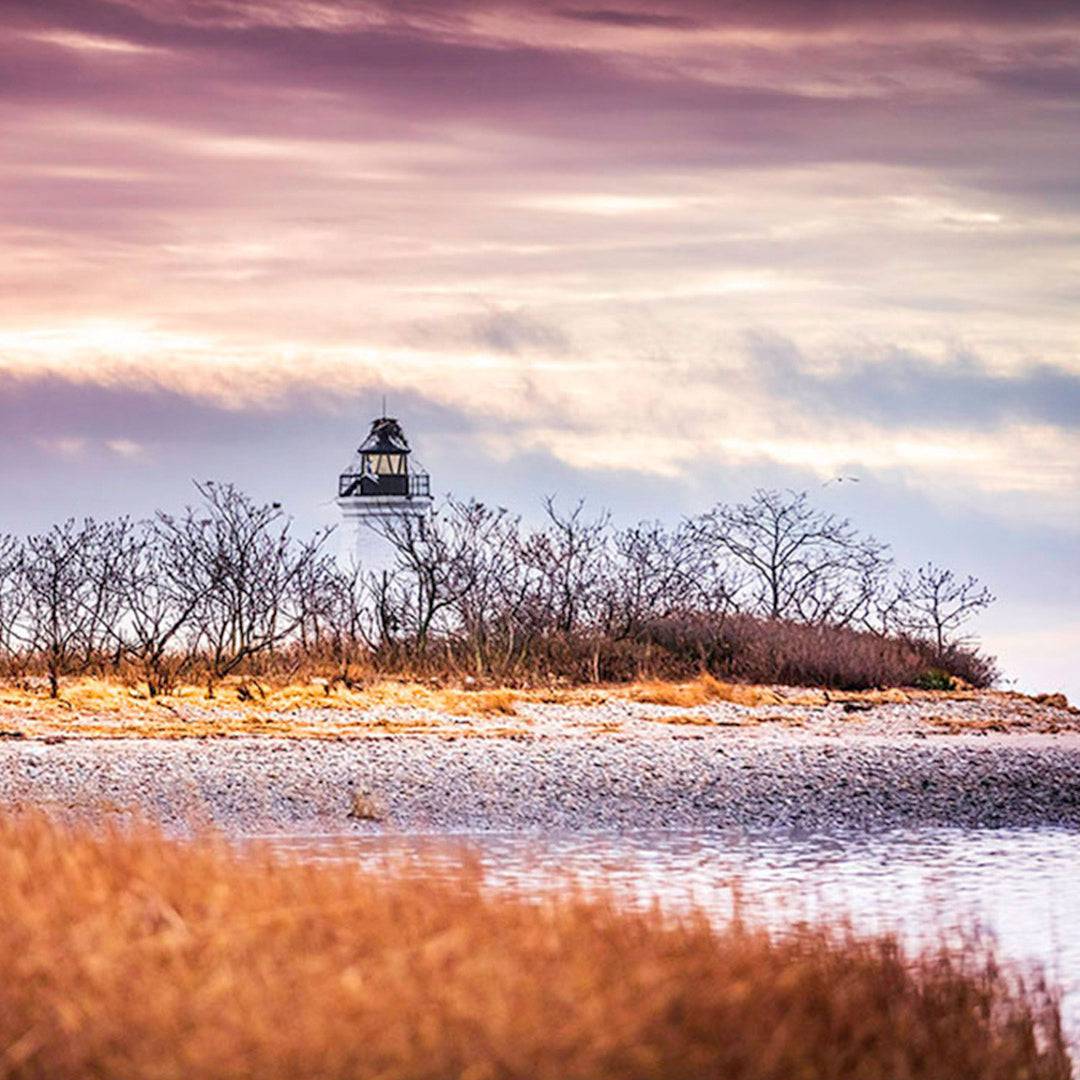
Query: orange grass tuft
x=123, y=954
x=678, y=694
x=479, y=702
x=700, y=692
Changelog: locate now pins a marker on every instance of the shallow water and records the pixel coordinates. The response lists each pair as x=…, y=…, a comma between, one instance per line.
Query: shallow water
x=1021, y=886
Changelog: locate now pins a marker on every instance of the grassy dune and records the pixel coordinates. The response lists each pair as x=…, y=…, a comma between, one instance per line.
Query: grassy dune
x=127, y=955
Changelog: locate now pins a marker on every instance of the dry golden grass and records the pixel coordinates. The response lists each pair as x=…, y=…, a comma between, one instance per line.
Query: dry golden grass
x=700, y=692
x=102, y=708
x=125, y=955
x=106, y=696
x=479, y=702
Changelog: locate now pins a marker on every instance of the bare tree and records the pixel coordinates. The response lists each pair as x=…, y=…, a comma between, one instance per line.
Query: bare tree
x=489, y=612
x=657, y=573
x=102, y=595
x=345, y=619
x=244, y=565
x=801, y=563
x=937, y=603
x=12, y=594
x=883, y=612
x=159, y=598
x=568, y=561
x=62, y=601
x=318, y=587
x=439, y=559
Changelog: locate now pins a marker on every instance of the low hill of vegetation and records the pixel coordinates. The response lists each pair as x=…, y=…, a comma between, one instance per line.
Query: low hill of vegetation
x=771, y=591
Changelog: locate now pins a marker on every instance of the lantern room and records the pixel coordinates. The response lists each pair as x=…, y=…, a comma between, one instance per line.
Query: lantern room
x=381, y=468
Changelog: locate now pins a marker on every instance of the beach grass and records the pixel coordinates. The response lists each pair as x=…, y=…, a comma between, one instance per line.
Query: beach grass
x=96, y=707
x=126, y=954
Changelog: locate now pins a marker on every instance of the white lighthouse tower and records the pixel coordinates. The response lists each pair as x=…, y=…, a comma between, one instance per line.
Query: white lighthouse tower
x=381, y=488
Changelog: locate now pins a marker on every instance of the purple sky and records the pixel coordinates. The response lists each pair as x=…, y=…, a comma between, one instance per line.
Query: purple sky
x=651, y=253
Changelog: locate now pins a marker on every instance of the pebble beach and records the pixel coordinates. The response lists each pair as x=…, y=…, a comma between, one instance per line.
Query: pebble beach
x=978, y=760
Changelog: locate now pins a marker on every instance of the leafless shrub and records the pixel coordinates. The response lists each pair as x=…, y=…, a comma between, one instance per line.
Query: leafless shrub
x=446, y=558
x=12, y=597
x=968, y=663
x=158, y=599
x=660, y=573
x=247, y=572
x=936, y=603
x=568, y=560
x=799, y=654
x=338, y=627
x=68, y=599
x=800, y=563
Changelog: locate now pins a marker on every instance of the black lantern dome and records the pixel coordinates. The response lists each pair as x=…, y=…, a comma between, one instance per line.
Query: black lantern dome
x=382, y=465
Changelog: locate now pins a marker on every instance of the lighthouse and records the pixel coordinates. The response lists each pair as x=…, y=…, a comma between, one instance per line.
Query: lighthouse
x=381, y=488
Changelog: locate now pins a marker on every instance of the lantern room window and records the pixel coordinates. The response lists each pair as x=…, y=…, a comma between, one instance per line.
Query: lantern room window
x=384, y=464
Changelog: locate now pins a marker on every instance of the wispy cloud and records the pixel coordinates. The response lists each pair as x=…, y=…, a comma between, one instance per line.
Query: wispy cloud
x=804, y=235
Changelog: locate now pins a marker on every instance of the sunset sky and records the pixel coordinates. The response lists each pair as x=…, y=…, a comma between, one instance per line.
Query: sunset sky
x=651, y=254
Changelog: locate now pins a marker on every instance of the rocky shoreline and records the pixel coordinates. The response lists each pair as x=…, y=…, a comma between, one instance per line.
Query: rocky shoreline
x=984, y=761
